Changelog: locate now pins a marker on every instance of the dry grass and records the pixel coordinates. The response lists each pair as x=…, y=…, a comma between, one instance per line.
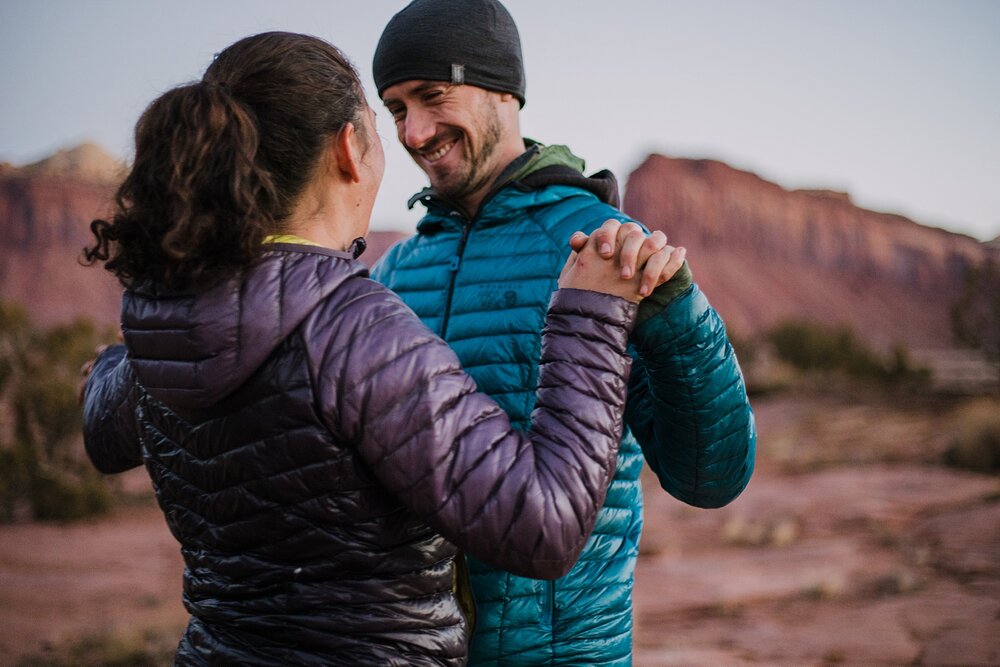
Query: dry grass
x=976, y=443
x=141, y=648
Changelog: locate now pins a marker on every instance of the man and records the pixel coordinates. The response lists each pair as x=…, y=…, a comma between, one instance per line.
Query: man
x=501, y=212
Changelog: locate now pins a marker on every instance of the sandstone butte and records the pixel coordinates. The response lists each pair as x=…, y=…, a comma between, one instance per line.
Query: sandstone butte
x=46, y=209
x=763, y=254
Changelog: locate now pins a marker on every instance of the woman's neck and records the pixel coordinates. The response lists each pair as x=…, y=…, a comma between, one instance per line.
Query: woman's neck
x=330, y=218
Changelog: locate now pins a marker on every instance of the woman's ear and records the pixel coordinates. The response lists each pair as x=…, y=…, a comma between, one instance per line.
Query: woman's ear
x=347, y=153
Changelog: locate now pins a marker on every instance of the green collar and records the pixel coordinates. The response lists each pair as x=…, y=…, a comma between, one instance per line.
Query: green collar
x=538, y=156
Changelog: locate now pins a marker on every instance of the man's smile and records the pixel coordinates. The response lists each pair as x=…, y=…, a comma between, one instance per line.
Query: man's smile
x=439, y=151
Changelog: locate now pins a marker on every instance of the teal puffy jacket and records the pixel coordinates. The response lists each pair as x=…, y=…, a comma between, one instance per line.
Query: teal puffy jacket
x=483, y=285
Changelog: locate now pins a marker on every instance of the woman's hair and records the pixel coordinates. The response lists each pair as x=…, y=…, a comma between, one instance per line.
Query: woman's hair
x=220, y=162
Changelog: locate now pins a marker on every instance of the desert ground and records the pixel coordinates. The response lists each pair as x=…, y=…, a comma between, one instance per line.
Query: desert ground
x=852, y=545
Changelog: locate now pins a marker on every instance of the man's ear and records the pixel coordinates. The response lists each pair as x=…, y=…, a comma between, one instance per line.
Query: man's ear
x=347, y=153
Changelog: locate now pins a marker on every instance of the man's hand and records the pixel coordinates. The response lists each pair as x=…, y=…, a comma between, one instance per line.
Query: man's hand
x=633, y=250
x=605, y=261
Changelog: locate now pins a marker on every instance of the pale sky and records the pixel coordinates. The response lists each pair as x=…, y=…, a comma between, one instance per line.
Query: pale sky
x=894, y=101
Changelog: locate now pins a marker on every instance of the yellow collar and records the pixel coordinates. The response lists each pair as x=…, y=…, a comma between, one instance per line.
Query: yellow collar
x=288, y=238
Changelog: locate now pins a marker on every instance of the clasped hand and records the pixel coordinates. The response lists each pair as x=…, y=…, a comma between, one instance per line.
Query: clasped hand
x=621, y=260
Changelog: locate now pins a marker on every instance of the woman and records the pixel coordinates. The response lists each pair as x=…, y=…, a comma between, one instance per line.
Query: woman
x=317, y=452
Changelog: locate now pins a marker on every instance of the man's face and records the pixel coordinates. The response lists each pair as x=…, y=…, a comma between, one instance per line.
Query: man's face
x=451, y=131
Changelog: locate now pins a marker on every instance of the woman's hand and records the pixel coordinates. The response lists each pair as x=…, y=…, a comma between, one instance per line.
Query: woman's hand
x=606, y=261
x=634, y=251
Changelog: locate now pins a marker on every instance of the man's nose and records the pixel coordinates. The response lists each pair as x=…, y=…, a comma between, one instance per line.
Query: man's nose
x=418, y=129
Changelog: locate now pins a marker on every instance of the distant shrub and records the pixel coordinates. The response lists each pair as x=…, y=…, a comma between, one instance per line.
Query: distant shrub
x=813, y=347
x=56, y=495
x=975, y=316
x=137, y=648
x=779, y=531
x=976, y=443
x=44, y=474
x=744, y=347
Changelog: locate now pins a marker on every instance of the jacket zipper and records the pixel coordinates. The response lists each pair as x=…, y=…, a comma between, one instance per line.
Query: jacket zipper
x=456, y=259
x=549, y=603
x=453, y=266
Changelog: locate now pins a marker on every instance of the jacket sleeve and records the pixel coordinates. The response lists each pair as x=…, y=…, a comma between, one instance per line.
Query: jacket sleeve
x=110, y=434
x=687, y=403
x=522, y=501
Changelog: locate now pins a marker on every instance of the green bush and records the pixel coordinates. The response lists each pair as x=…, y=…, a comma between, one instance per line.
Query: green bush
x=56, y=495
x=813, y=347
x=976, y=443
x=43, y=473
x=136, y=648
x=744, y=347
x=975, y=316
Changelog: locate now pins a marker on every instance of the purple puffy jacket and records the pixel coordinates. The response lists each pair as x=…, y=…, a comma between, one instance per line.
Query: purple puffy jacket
x=320, y=456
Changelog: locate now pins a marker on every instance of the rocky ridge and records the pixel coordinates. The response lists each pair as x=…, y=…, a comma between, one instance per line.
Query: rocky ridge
x=764, y=254
x=45, y=209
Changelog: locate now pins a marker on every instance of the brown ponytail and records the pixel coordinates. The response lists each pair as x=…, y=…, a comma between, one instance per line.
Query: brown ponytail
x=219, y=163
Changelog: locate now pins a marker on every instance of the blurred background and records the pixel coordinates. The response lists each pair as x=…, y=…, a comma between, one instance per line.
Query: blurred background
x=833, y=170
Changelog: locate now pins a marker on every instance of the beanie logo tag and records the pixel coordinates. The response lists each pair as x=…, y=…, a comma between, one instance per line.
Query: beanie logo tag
x=457, y=74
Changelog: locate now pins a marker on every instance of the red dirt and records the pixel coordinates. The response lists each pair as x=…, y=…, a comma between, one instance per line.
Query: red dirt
x=844, y=549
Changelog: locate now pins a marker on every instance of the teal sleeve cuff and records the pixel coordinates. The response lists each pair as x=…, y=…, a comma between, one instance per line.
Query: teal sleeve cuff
x=663, y=295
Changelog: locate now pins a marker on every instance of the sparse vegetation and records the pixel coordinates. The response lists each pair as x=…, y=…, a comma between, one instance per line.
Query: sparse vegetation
x=828, y=589
x=44, y=475
x=143, y=648
x=900, y=581
x=744, y=346
x=976, y=443
x=780, y=532
x=812, y=347
x=975, y=316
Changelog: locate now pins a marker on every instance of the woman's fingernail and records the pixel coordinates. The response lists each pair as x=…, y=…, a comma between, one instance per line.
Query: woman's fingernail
x=626, y=272
x=605, y=248
x=644, y=290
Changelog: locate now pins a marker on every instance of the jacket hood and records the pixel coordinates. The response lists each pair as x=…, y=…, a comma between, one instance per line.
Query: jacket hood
x=192, y=350
x=537, y=168
x=556, y=165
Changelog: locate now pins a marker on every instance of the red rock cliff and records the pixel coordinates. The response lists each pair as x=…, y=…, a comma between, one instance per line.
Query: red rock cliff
x=45, y=209
x=45, y=212
x=764, y=254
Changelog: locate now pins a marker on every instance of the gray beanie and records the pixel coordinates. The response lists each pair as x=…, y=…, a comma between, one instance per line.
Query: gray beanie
x=460, y=41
